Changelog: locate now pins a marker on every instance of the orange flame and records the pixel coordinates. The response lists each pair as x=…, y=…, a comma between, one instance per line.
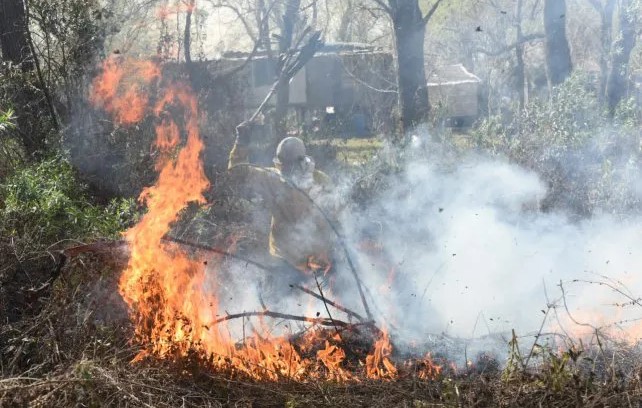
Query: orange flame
x=121, y=90
x=162, y=286
x=172, y=312
x=378, y=364
x=428, y=370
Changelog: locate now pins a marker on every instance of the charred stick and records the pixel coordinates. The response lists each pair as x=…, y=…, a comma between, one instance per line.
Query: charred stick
x=330, y=302
x=219, y=251
x=277, y=315
x=325, y=304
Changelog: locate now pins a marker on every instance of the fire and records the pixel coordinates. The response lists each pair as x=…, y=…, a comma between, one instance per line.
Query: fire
x=378, y=364
x=428, y=370
x=121, y=90
x=172, y=311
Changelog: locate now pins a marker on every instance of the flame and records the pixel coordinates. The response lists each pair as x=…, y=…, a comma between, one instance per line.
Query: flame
x=172, y=302
x=121, y=89
x=428, y=370
x=378, y=364
x=332, y=356
x=164, y=289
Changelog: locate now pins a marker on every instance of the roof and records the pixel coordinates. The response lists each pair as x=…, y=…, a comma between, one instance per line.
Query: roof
x=450, y=75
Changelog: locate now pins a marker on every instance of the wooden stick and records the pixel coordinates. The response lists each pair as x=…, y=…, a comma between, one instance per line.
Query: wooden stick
x=330, y=302
x=277, y=315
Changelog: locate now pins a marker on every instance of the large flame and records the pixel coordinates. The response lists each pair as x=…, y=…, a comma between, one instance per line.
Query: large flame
x=172, y=312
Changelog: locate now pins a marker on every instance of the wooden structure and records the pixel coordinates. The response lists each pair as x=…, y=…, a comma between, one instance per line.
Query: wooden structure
x=454, y=92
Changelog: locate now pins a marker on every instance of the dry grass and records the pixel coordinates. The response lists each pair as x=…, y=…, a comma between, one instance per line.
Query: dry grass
x=75, y=352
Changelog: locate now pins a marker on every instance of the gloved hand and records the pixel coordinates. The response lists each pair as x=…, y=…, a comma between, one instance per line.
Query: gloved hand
x=244, y=133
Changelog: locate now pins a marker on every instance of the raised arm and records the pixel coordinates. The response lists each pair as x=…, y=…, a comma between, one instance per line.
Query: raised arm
x=261, y=180
x=240, y=152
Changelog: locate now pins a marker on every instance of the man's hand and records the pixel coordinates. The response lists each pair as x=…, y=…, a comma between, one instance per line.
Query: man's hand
x=244, y=133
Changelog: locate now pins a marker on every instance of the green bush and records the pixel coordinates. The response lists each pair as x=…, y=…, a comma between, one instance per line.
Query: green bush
x=44, y=203
x=588, y=160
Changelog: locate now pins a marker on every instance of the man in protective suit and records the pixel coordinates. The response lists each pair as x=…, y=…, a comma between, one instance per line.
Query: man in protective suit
x=299, y=198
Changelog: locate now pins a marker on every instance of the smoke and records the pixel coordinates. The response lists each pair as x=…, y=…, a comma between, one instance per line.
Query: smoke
x=473, y=255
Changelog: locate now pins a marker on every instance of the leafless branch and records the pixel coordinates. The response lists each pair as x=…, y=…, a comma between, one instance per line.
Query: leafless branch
x=384, y=6
x=430, y=13
x=525, y=39
x=240, y=15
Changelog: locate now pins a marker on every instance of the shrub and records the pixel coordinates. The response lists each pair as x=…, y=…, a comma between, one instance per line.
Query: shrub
x=587, y=159
x=44, y=203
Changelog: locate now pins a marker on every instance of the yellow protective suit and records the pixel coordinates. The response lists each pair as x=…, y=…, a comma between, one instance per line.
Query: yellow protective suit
x=298, y=232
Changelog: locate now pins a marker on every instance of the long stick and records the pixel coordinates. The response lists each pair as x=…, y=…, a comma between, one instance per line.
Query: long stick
x=217, y=251
x=316, y=320
x=330, y=302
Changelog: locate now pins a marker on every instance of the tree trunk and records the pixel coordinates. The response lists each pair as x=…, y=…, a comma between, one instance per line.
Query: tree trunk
x=187, y=37
x=409, y=30
x=558, y=53
x=606, y=28
x=13, y=34
x=519, y=56
x=29, y=104
x=616, y=85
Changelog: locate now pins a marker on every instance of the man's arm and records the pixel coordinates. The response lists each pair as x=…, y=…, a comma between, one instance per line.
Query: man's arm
x=240, y=152
x=260, y=180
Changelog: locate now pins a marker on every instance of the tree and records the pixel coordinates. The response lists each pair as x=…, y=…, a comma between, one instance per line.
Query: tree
x=616, y=83
x=16, y=47
x=409, y=27
x=606, y=26
x=13, y=34
x=520, y=77
x=558, y=52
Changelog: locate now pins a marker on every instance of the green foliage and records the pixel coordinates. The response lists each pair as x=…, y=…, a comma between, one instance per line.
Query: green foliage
x=6, y=120
x=587, y=159
x=44, y=203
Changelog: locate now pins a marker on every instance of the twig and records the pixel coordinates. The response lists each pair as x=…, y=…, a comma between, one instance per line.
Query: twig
x=325, y=304
x=217, y=251
x=539, y=334
x=330, y=302
x=568, y=312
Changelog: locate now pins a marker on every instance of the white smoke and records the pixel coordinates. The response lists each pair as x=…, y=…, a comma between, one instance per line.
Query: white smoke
x=474, y=256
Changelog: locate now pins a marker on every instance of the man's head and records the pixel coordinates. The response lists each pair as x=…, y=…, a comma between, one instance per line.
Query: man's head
x=290, y=156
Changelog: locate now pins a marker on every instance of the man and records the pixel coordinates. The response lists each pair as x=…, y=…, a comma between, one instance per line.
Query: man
x=301, y=238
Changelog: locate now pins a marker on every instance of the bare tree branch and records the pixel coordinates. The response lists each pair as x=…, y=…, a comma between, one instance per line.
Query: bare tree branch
x=495, y=53
x=384, y=6
x=432, y=10
x=240, y=16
